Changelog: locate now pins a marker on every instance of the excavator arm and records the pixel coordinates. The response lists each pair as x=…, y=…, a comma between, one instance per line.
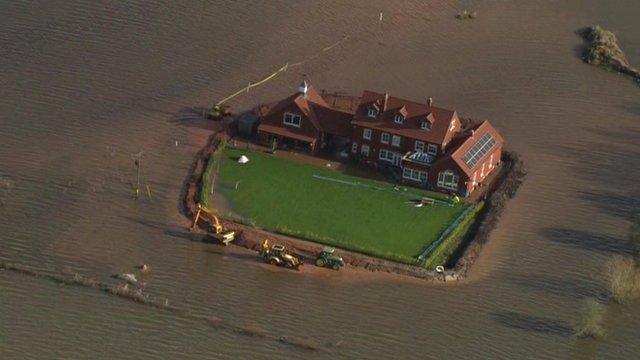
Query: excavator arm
x=213, y=219
x=216, y=226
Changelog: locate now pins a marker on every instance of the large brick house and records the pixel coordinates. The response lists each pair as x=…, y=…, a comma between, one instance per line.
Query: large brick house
x=428, y=145
x=386, y=128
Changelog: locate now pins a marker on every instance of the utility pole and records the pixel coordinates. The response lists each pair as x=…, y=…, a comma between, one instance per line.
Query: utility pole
x=381, y=29
x=137, y=161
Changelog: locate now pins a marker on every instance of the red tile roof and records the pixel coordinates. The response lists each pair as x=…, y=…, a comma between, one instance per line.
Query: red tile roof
x=457, y=153
x=341, y=101
x=283, y=131
x=332, y=121
x=415, y=113
x=315, y=108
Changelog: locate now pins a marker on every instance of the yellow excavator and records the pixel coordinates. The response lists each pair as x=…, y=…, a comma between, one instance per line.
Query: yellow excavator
x=217, y=231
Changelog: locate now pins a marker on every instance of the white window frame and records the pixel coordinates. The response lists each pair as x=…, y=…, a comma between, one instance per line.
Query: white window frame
x=425, y=125
x=432, y=149
x=372, y=112
x=383, y=136
x=382, y=154
x=398, y=119
x=386, y=155
x=451, y=183
x=395, y=140
x=419, y=146
x=366, y=134
x=291, y=121
x=364, y=150
x=354, y=147
x=415, y=175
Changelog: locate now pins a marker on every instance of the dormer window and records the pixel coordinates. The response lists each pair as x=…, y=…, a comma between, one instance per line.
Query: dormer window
x=373, y=112
x=427, y=122
x=398, y=119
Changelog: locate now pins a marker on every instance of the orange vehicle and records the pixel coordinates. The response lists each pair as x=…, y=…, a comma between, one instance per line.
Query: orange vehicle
x=216, y=230
x=278, y=255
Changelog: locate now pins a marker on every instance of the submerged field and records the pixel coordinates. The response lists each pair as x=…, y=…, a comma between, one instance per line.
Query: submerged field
x=86, y=84
x=329, y=207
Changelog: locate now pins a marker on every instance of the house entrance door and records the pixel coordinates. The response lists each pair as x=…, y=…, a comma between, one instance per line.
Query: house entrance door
x=396, y=159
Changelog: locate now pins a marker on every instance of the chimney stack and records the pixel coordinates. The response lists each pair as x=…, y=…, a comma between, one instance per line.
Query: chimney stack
x=386, y=100
x=429, y=101
x=303, y=88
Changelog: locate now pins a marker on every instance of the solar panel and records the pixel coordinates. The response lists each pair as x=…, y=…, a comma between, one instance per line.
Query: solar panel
x=479, y=150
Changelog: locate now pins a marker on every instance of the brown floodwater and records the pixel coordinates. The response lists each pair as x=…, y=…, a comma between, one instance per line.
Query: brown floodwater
x=86, y=85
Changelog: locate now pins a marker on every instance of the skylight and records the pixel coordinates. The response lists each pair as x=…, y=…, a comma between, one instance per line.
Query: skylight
x=421, y=157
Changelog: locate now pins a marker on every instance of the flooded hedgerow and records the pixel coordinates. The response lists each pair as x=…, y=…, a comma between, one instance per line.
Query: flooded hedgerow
x=589, y=325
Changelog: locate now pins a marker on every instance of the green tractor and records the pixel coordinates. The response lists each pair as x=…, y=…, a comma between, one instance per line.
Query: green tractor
x=328, y=259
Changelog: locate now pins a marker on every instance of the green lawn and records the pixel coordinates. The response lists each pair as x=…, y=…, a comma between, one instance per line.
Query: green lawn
x=370, y=217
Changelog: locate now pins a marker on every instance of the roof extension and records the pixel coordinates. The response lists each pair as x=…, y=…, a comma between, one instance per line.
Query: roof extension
x=315, y=108
x=480, y=142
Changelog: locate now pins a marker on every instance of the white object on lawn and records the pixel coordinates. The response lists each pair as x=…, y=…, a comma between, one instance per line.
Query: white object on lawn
x=243, y=159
